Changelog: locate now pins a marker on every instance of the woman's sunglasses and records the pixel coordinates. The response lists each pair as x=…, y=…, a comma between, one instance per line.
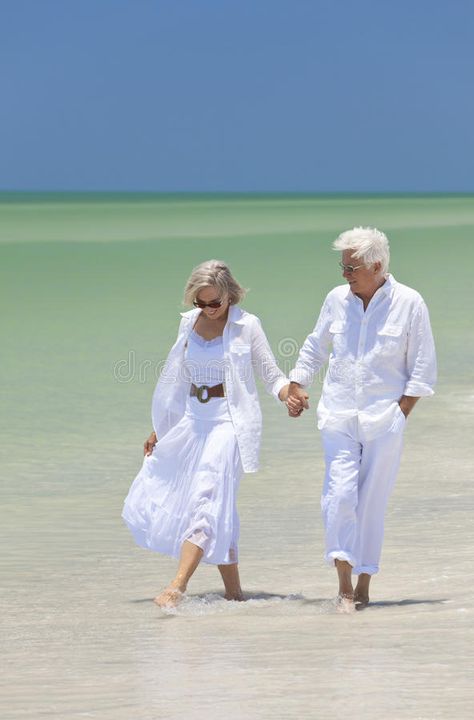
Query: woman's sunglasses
x=213, y=304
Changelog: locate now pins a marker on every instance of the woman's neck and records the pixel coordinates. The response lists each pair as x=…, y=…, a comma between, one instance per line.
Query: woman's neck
x=210, y=329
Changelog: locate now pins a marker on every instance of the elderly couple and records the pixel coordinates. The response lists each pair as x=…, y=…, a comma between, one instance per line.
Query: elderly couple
x=375, y=336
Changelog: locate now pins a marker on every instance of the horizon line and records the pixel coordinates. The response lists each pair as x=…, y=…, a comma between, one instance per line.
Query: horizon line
x=241, y=193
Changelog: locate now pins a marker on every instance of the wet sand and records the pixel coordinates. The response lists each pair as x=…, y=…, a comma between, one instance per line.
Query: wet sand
x=84, y=639
x=81, y=637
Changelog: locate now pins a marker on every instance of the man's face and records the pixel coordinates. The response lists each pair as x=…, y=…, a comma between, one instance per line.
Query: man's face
x=364, y=280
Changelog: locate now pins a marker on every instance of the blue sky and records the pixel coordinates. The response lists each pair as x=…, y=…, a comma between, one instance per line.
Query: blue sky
x=242, y=95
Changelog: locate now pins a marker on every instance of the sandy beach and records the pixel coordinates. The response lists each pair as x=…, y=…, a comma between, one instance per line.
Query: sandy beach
x=89, y=314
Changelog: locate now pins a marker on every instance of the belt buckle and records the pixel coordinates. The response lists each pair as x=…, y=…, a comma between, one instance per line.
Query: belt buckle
x=199, y=393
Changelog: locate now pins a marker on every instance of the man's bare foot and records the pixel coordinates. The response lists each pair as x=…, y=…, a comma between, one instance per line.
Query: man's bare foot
x=361, y=593
x=169, y=598
x=344, y=572
x=345, y=604
x=237, y=597
x=360, y=601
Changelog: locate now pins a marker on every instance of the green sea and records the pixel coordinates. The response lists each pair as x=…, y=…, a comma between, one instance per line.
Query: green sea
x=91, y=289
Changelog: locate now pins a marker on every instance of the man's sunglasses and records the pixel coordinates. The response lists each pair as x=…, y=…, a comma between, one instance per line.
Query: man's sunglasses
x=349, y=268
x=213, y=304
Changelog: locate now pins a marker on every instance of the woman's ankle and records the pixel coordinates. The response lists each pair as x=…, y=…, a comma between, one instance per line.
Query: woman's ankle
x=178, y=584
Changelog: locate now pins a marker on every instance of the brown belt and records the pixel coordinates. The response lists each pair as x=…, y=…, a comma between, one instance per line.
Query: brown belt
x=204, y=393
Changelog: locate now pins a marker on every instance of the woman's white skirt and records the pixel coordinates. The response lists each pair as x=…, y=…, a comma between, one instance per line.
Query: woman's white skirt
x=187, y=488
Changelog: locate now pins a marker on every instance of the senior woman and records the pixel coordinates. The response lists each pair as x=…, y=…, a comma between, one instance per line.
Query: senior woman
x=206, y=433
x=376, y=334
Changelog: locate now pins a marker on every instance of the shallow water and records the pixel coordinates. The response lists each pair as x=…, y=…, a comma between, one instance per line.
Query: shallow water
x=82, y=637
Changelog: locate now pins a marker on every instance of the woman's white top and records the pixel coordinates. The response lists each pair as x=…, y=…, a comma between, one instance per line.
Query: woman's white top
x=205, y=360
x=245, y=350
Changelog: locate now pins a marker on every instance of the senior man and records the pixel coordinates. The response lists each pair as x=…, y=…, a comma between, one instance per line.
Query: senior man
x=377, y=337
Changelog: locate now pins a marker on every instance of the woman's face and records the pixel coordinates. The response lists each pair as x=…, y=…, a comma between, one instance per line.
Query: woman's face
x=211, y=295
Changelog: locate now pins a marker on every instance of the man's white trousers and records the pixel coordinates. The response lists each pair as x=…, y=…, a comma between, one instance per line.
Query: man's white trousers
x=359, y=478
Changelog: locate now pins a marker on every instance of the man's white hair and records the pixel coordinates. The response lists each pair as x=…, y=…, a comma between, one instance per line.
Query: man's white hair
x=367, y=244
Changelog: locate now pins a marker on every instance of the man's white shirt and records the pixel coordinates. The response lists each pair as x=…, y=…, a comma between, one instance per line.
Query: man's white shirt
x=375, y=356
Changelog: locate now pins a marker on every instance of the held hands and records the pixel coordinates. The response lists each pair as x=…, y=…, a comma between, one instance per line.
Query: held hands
x=149, y=444
x=297, y=400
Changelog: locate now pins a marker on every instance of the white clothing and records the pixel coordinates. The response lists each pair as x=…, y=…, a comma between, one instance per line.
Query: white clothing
x=377, y=356
x=205, y=360
x=358, y=481
x=187, y=488
x=246, y=349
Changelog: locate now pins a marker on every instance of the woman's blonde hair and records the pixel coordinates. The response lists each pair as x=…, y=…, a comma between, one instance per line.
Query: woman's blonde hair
x=214, y=273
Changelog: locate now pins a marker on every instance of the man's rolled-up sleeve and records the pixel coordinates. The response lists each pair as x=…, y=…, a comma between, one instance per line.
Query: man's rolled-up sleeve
x=421, y=355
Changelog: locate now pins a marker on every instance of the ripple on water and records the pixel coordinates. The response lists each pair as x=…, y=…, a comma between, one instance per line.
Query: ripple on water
x=215, y=604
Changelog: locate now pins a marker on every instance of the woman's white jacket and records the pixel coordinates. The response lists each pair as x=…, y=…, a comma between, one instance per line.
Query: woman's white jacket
x=246, y=349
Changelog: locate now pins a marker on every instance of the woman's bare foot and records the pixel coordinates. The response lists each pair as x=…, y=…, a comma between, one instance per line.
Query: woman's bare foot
x=189, y=559
x=231, y=579
x=170, y=597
